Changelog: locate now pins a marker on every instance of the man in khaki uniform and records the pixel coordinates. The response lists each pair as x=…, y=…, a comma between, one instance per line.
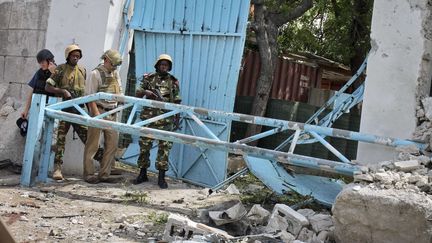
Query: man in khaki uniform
x=104, y=78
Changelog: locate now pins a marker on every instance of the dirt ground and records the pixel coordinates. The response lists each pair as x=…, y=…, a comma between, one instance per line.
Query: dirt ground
x=75, y=211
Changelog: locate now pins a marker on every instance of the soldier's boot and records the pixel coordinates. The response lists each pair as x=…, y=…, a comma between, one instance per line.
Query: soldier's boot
x=161, y=180
x=57, y=174
x=142, y=177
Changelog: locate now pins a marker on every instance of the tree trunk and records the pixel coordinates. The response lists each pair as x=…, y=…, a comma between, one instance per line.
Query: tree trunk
x=266, y=35
x=360, y=35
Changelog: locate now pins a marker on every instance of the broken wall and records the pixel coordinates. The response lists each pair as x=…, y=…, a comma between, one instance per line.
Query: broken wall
x=23, y=26
x=398, y=73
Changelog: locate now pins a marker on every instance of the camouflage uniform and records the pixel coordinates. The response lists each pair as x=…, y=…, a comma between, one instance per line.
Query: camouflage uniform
x=71, y=78
x=168, y=87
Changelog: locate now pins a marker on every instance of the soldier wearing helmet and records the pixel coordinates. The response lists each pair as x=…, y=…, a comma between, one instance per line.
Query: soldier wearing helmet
x=104, y=78
x=47, y=66
x=68, y=81
x=161, y=86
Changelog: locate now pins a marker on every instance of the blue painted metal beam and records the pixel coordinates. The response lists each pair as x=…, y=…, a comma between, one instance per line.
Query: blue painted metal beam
x=293, y=159
x=326, y=131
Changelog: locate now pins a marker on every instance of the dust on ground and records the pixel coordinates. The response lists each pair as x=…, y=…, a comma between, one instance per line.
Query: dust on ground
x=75, y=211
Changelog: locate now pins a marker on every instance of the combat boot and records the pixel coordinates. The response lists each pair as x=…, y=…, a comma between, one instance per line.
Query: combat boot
x=57, y=174
x=161, y=180
x=142, y=177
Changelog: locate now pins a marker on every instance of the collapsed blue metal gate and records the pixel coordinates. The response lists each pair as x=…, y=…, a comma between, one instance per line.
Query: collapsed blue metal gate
x=205, y=38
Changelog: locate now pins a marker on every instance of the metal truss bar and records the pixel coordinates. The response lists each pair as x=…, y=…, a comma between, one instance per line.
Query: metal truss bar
x=202, y=125
x=294, y=141
x=203, y=151
x=35, y=122
x=132, y=114
x=120, y=108
x=323, y=131
x=241, y=149
x=178, y=32
x=330, y=147
x=260, y=135
x=230, y=179
x=156, y=118
x=81, y=110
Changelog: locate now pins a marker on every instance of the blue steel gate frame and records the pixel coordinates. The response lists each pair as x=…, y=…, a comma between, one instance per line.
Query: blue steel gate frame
x=206, y=40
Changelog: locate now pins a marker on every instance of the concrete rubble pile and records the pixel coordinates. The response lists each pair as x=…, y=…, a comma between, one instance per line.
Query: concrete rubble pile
x=390, y=201
x=232, y=222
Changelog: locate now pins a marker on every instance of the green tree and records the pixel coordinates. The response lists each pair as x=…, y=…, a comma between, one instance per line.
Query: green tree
x=336, y=29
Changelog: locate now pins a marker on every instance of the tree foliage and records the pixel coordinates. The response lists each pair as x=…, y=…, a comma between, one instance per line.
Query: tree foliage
x=336, y=29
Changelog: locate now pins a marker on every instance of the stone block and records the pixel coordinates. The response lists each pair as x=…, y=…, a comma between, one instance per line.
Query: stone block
x=407, y=166
x=285, y=218
x=19, y=69
x=258, y=215
x=5, y=9
x=29, y=15
x=320, y=222
x=25, y=42
x=3, y=42
x=374, y=215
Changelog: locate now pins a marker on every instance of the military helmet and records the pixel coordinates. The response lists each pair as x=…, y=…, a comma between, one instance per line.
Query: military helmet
x=113, y=56
x=165, y=57
x=44, y=55
x=71, y=48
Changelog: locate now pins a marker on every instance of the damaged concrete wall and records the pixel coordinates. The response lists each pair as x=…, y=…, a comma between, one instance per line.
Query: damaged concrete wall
x=23, y=26
x=398, y=73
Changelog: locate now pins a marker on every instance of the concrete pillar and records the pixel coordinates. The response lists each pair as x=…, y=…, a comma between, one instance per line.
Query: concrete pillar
x=398, y=73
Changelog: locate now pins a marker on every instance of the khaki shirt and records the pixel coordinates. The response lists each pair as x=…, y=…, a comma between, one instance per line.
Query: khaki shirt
x=95, y=81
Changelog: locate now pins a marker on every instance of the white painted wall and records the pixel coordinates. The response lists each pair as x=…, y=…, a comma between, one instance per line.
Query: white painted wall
x=394, y=67
x=96, y=26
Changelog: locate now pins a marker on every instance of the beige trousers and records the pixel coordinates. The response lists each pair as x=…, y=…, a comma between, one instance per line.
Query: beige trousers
x=92, y=145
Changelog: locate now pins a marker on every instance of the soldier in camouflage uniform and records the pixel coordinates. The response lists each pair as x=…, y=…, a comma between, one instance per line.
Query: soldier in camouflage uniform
x=161, y=86
x=68, y=80
x=104, y=78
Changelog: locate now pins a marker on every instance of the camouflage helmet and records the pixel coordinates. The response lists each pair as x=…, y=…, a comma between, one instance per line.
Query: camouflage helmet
x=113, y=56
x=71, y=48
x=165, y=57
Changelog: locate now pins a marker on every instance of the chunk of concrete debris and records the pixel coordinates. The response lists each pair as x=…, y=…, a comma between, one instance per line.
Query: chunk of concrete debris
x=370, y=214
x=410, y=149
x=363, y=177
x=285, y=218
x=383, y=177
x=232, y=189
x=182, y=228
x=427, y=107
x=320, y=222
x=232, y=214
x=258, y=215
x=307, y=212
x=407, y=166
x=305, y=234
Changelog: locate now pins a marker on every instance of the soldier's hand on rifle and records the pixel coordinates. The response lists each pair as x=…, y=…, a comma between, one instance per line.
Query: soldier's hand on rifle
x=150, y=95
x=66, y=94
